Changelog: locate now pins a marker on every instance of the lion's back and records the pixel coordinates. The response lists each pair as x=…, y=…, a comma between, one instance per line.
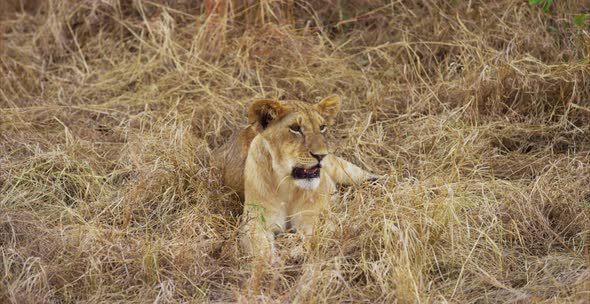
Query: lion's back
x=231, y=159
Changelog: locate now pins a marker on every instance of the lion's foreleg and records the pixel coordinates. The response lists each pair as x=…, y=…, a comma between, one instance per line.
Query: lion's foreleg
x=262, y=221
x=256, y=240
x=344, y=172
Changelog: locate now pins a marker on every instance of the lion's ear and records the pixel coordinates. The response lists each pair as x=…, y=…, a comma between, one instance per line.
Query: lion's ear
x=329, y=108
x=263, y=112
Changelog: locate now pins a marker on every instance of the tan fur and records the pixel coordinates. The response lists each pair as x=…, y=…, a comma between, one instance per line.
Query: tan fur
x=258, y=162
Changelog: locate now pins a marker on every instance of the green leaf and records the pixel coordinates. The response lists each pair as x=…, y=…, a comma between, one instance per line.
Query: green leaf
x=547, y=5
x=580, y=20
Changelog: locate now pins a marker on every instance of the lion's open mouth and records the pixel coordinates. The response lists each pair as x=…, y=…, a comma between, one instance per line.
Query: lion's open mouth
x=302, y=173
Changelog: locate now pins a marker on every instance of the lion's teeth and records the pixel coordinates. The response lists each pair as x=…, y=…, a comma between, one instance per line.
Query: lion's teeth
x=311, y=170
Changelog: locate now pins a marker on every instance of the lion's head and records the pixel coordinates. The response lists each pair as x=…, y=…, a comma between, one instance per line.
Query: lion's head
x=294, y=134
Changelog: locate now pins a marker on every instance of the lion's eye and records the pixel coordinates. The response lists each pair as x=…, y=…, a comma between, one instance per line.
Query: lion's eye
x=323, y=128
x=295, y=129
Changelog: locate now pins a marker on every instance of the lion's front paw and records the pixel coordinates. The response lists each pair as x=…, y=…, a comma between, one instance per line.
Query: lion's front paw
x=375, y=179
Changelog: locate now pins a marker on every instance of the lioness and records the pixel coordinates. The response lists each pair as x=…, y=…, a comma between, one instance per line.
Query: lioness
x=280, y=165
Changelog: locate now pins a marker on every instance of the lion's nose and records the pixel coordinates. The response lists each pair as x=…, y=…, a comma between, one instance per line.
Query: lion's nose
x=319, y=157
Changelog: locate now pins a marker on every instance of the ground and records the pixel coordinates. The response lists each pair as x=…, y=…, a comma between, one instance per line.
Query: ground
x=478, y=112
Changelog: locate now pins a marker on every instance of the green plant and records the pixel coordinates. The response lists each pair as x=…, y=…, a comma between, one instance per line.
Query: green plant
x=546, y=4
x=580, y=20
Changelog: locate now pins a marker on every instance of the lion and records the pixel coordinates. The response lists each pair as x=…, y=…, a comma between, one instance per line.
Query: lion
x=281, y=168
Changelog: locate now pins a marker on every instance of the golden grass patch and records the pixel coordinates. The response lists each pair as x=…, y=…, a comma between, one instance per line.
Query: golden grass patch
x=479, y=111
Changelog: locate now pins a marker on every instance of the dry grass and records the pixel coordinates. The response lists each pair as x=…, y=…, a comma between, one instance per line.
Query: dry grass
x=478, y=110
